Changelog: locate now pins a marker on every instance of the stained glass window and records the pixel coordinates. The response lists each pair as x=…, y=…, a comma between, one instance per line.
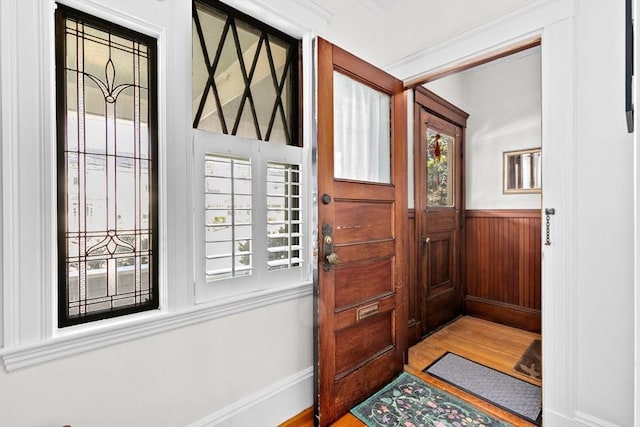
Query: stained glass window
x=107, y=174
x=439, y=169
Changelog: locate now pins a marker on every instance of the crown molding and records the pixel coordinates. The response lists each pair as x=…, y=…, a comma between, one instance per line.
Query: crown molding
x=294, y=18
x=512, y=27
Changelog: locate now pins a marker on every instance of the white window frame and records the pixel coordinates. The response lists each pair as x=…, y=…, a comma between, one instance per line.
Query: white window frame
x=260, y=153
x=28, y=275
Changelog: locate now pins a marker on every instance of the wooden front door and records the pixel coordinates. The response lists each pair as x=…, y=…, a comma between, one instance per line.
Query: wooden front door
x=438, y=137
x=361, y=319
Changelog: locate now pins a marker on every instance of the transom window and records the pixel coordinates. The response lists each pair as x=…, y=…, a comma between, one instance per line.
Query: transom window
x=245, y=76
x=107, y=174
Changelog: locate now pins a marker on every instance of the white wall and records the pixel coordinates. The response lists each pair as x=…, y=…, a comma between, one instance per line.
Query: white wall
x=451, y=88
x=604, y=195
x=503, y=99
x=171, y=379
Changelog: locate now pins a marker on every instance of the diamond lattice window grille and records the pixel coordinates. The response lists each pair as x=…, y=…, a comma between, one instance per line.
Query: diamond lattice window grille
x=245, y=76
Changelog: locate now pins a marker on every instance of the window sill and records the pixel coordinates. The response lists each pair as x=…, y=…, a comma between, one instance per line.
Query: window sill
x=68, y=345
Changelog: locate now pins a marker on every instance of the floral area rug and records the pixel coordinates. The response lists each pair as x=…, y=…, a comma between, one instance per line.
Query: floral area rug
x=410, y=402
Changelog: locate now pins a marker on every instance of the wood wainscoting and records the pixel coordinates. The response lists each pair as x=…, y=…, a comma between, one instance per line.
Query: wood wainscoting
x=414, y=331
x=502, y=266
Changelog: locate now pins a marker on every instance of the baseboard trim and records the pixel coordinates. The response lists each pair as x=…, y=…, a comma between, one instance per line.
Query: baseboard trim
x=586, y=420
x=507, y=314
x=555, y=419
x=270, y=406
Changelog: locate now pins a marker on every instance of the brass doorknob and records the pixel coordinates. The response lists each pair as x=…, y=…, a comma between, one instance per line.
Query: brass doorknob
x=332, y=258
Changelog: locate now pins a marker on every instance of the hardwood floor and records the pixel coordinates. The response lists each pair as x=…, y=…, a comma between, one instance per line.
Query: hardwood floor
x=491, y=344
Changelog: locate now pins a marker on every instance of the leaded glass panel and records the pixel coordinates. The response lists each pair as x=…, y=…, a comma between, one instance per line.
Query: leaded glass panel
x=439, y=169
x=245, y=76
x=107, y=213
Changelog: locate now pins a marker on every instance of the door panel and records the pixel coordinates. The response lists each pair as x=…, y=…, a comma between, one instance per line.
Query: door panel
x=351, y=289
x=440, y=260
x=363, y=221
x=439, y=206
x=357, y=343
x=361, y=318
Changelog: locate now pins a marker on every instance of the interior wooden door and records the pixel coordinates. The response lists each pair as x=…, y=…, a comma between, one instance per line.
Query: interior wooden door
x=438, y=140
x=361, y=318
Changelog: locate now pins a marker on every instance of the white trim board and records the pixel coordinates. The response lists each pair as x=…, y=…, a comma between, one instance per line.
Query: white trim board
x=272, y=405
x=586, y=420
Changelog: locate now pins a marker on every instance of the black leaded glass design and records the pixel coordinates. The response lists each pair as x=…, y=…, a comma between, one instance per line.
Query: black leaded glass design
x=107, y=179
x=245, y=76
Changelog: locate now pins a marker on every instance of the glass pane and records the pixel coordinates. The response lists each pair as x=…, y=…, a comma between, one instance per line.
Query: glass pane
x=246, y=126
x=199, y=71
x=439, y=169
x=210, y=120
x=362, y=131
x=125, y=198
x=263, y=90
x=280, y=131
x=212, y=26
x=228, y=82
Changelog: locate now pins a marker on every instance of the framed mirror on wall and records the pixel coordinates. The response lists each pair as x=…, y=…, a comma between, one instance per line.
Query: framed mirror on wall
x=522, y=171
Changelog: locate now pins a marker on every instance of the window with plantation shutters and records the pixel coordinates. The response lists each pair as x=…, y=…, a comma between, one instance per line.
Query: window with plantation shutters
x=249, y=197
x=249, y=216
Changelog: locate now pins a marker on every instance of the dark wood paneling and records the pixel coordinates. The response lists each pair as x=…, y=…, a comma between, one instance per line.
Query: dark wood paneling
x=503, y=266
x=508, y=314
x=413, y=309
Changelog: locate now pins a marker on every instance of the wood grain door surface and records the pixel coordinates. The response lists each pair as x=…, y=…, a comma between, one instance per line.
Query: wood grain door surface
x=361, y=318
x=439, y=132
